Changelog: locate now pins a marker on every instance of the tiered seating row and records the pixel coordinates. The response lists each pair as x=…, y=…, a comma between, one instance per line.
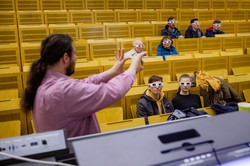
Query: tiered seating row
x=101, y=16
x=20, y=5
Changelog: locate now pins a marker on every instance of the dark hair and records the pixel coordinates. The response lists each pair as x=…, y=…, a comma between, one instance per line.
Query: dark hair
x=170, y=18
x=216, y=22
x=183, y=76
x=167, y=37
x=193, y=20
x=154, y=78
x=53, y=48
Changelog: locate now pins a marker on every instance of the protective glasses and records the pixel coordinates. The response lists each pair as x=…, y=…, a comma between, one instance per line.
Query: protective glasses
x=196, y=23
x=217, y=25
x=140, y=46
x=185, y=83
x=172, y=22
x=156, y=84
x=166, y=42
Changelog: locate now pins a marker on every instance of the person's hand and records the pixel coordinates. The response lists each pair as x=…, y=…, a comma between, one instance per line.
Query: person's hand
x=181, y=37
x=137, y=61
x=118, y=66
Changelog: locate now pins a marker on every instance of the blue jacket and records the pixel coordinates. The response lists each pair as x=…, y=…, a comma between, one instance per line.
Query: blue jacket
x=211, y=33
x=161, y=51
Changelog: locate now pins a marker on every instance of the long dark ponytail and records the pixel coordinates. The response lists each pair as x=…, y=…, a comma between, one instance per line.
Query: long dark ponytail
x=53, y=48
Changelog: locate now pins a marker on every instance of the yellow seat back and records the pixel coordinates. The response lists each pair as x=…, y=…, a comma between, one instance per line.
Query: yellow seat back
x=10, y=129
x=158, y=118
x=110, y=114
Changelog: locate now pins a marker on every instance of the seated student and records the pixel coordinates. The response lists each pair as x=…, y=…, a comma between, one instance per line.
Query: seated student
x=153, y=101
x=171, y=30
x=184, y=99
x=215, y=29
x=137, y=48
x=193, y=30
x=166, y=48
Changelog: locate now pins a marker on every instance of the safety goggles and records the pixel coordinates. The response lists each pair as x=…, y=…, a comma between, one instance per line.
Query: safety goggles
x=217, y=25
x=166, y=42
x=156, y=84
x=185, y=83
x=172, y=22
x=140, y=46
x=196, y=23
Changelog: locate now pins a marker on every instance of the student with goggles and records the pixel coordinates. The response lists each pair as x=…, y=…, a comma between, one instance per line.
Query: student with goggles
x=215, y=29
x=171, y=30
x=193, y=30
x=137, y=48
x=184, y=99
x=166, y=47
x=153, y=101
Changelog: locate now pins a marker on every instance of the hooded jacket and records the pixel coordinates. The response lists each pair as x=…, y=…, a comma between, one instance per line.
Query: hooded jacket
x=161, y=51
x=173, y=34
x=147, y=106
x=211, y=33
x=190, y=33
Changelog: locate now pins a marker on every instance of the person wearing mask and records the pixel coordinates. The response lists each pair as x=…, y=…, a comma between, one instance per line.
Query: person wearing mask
x=153, y=101
x=193, y=30
x=184, y=98
x=215, y=29
x=171, y=30
x=166, y=47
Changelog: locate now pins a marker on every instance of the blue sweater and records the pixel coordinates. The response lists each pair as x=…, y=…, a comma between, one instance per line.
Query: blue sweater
x=211, y=33
x=161, y=51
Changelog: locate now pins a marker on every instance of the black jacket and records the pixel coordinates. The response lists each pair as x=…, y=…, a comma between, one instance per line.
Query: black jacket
x=173, y=34
x=146, y=106
x=190, y=33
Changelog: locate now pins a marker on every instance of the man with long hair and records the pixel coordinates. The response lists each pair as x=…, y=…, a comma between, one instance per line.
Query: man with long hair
x=61, y=102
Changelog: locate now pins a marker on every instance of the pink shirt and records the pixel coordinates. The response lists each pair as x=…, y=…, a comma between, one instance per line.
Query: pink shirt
x=62, y=102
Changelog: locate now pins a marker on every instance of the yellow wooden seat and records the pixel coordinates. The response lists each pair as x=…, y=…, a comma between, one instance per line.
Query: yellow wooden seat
x=95, y=4
x=91, y=31
x=8, y=34
x=239, y=60
x=119, y=125
x=128, y=15
x=10, y=110
x=24, y=5
x=10, y=129
x=135, y=4
x=33, y=127
x=158, y=118
x=171, y=4
x=245, y=4
x=110, y=114
x=188, y=45
x=148, y=15
x=210, y=44
x=56, y=17
x=7, y=5
x=69, y=29
x=246, y=93
x=163, y=69
x=164, y=14
x=141, y=29
x=82, y=52
x=232, y=42
x=233, y=4
x=153, y=4
x=32, y=33
x=238, y=16
x=205, y=15
x=102, y=16
x=30, y=52
x=7, y=17
x=81, y=16
x=102, y=48
x=243, y=27
x=186, y=15
x=51, y=5
x=8, y=94
x=10, y=54
x=117, y=30
x=187, y=4
x=134, y=110
x=73, y=4
x=239, y=83
x=115, y=4
x=10, y=78
x=218, y=4
x=241, y=70
x=203, y=4
x=30, y=17
x=228, y=28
